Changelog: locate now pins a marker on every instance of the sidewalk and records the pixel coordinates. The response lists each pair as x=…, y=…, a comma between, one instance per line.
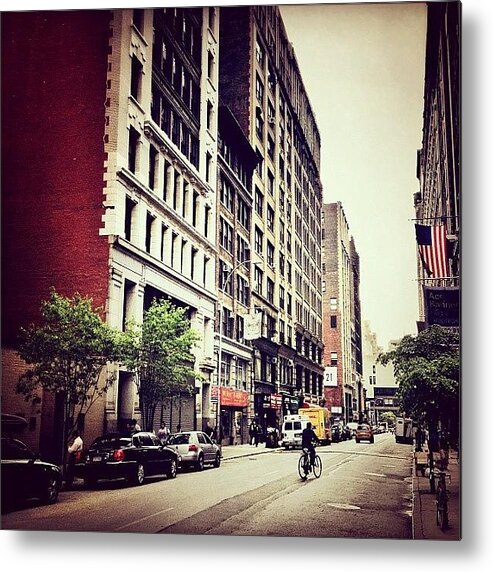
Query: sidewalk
x=424, y=505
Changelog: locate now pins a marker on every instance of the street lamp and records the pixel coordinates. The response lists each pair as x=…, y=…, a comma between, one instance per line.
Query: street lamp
x=220, y=345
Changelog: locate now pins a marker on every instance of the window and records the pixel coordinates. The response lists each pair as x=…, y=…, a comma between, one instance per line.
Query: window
x=138, y=19
x=271, y=147
x=129, y=213
x=270, y=182
x=242, y=249
x=226, y=236
x=281, y=297
x=225, y=283
x=259, y=124
x=243, y=214
x=259, y=90
x=242, y=290
x=270, y=254
x=270, y=290
x=133, y=148
x=149, y=222
x=333, y=321
x=259, y=241
x=270, y=218
x=333, y=303
x=259, y=54
x=259, y=202
x=153, y=158
x=333, y=358
x=258, y=280
x=227, y=193
x=289, y=305
x=136, y=79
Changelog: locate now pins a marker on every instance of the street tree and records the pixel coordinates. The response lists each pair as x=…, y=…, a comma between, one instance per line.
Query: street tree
x=67, y=352
x=158, y=351
x=427, y=368
x=388, y=417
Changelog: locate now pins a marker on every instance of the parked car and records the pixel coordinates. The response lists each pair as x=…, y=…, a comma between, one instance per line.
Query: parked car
x=195, y=449
x=119, y=456
x=338, y=434
x=364, y=433
x=25, y=476
x=352, y=426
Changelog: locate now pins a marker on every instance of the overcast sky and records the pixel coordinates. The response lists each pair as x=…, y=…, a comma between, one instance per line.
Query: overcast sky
x=363, y=69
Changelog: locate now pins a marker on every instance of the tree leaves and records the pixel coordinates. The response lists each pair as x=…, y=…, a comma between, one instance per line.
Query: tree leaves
x=159, y=352
x=67, y=352
x=427, y=368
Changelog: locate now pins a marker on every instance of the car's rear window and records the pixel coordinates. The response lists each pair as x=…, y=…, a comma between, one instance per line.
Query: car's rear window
x=363, y=427
x=297, y=425
x=180, y=439
x=288, y=426
x=116, y=442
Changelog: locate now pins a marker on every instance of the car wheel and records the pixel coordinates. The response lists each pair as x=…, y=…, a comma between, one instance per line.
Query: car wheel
x=172, y=470
x=139, y=474
x=372, y=440
x=217, y=462
x=51, y=490
x=200, y=463
x=357, y=440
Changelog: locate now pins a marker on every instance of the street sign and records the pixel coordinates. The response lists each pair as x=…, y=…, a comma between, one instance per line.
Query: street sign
x=214, y=393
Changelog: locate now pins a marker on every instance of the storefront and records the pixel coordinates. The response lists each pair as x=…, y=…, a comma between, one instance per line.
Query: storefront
x=268, y=410
x=234, y=417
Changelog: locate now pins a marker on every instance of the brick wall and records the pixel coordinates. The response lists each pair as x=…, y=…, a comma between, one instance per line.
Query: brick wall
x=53, y=93
x=234, y=63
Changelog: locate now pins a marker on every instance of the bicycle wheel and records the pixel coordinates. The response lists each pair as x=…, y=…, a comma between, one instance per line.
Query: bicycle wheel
x=301, y=467
x=317, y=466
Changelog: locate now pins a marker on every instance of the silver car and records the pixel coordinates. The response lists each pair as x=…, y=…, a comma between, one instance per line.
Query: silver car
x=195, y=448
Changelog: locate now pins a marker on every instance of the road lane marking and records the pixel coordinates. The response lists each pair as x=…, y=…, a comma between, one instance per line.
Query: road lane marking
x=344, y=506
x=271, y=473
x=375, y=474
x=144, y=518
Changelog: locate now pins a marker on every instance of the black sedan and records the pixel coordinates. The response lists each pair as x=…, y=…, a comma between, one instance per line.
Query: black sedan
x=24, y=476
x=135, y=457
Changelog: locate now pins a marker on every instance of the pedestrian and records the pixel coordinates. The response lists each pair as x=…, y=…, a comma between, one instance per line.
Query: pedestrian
x=178, y=428
x=74, y=455
x=133, y=427
x=163, y=433
x=443, y=443
x=253, y=432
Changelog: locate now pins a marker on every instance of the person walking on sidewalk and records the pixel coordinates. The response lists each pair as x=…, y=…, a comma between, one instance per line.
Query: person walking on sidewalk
x=74, y=454
x=253, y=433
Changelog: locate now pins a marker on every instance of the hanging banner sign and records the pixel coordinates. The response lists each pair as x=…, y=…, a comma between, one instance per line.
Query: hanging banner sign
x=234, y=397
x=253, y=326
x=276, y=401
x=442, y=306
x=214, y=393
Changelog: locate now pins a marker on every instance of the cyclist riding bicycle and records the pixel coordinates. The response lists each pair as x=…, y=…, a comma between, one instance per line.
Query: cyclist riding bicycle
x=308, y=437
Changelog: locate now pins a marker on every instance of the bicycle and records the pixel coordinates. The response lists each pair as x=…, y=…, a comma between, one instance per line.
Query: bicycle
x=442, y=496
x=305, y=466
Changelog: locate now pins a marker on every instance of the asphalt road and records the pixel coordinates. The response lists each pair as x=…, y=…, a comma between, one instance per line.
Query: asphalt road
x=364, y=492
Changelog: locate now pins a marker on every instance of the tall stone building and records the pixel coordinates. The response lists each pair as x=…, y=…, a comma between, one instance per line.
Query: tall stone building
x=108, y=188
x=343, y=357
x=379, y=383
x=261, y=83
x=438, y=164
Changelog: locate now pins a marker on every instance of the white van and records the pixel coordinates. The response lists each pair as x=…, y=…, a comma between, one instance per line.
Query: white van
x=292, y=429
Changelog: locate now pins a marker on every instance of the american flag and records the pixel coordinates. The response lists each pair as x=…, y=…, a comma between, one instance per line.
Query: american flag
x=432, y=247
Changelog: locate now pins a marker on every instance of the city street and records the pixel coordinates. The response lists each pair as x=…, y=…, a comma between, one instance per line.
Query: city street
x=364, y=492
